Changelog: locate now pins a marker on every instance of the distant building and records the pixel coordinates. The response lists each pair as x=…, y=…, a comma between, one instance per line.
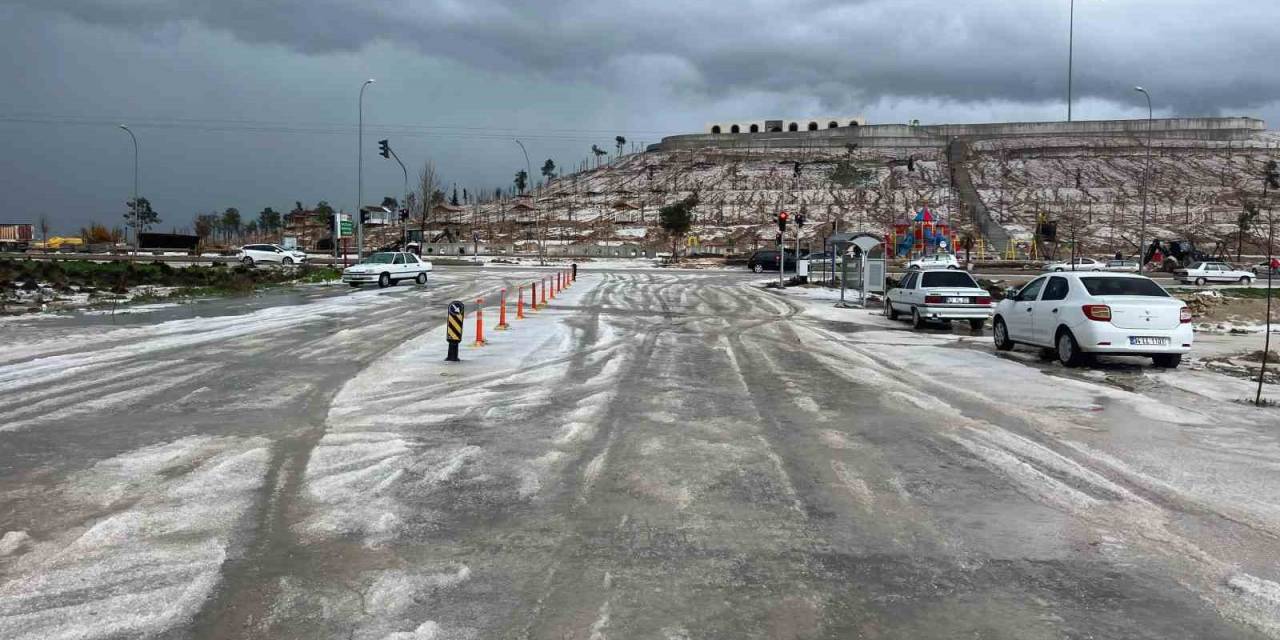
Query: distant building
x=779, y=126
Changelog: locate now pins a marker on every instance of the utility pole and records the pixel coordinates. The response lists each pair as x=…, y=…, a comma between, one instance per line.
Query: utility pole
x=528, y=172
x=1071, y=41
x=137, y=238
x=359, y=221
x=1146, y=172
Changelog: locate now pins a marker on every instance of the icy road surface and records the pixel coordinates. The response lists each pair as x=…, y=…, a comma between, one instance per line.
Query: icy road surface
x=656, y=455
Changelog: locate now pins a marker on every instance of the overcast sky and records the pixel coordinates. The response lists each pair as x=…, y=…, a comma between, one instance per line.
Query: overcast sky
x=252, y=103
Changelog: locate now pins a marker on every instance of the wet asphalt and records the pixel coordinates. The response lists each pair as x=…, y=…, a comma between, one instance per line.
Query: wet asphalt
x=699, y=470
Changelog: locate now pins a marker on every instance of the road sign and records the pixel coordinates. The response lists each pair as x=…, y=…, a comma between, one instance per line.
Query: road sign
x=453, y=329
x=344, y=227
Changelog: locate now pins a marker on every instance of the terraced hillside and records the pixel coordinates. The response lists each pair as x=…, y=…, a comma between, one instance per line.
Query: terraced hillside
x=1091, y=184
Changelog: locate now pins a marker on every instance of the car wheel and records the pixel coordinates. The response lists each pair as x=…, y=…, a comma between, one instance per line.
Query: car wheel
x=1200, y=282
x=1167, y=360
x=914, y=267
x=287, y=261
x=1059, y=269
x=976, y=325
x=889, y=311
x=952, y=266
x=384, y=281
x=1069, y=350
x=917, y=321
x=247, y=261
x=1244, y=280
x=1000, y=334
x=757, y=268
x=422, y=278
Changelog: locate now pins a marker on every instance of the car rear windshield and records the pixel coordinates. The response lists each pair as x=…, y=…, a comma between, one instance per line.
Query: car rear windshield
x=1123, y=287
x=947, y=279
x=380, y=258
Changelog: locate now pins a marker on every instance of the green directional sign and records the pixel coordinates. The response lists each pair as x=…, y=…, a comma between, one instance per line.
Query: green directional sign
x=344, y=227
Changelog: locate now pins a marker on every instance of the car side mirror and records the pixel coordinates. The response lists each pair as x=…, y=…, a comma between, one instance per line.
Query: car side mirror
x=1011, y=293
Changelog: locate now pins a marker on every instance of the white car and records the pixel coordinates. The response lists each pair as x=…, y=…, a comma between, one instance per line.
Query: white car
x=251, y=254
x=935, y=261
x=387, y=268
x=1081, y=264
x=1077, y=315
x=1205, y=272
x=1121, y=266
x=939, y=294
x=1263, y=267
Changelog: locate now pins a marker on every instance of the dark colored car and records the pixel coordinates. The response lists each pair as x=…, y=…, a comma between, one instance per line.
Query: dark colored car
x=768, y=261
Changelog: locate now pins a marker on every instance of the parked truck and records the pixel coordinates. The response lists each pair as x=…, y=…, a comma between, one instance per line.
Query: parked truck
x=16, y=236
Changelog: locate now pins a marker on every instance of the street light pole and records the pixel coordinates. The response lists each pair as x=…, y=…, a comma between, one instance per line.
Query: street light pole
x=359, y=223
x=1071, y=42
x=1146, y=172
x=136, y=237
x=528, y=171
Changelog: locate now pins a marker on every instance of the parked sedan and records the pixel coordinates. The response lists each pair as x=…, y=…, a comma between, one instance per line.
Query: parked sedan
x=1078, y=315
x=1079, y=264
x=1202, y=273
x=251, y=254
x=939, y=295
x=935, y=261
x=1263, y=267
x=387, y=268
x=1121, y=266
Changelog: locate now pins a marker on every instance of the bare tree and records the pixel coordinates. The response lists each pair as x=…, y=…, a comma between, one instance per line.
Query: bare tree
x=428, y=185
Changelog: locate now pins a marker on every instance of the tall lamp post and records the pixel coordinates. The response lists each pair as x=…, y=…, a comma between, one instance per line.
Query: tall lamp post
x=136, y=238
x=1071, y=42
x=528, y=171
x=360, y=173
x=1146, y=172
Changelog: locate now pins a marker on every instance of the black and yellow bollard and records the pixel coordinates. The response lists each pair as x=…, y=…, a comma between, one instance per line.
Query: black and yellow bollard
x=453, y=329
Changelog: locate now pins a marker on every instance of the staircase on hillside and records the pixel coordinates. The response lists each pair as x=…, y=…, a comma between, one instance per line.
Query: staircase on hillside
x=958, y=154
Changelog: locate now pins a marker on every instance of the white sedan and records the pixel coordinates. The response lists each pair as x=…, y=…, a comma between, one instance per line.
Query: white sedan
x=1077, y=315
x=1080, y=264
x=387, y=268
x=935, y=261
x=1202, y=273
x=939, y=294
x=1121, y=266
x=251, y=254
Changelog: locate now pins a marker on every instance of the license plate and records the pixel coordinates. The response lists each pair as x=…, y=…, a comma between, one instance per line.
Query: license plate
x=1148, y=341
x=957, y=301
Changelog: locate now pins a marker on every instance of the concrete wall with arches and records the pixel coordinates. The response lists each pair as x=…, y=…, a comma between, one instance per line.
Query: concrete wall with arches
x=783, y=125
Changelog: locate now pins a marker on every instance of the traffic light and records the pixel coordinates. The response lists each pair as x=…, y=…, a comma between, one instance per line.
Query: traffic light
x=364, y=217
x=1273, y=174
x=800, y=220
x=782, y=221
x=384, y=149
x=404, y=214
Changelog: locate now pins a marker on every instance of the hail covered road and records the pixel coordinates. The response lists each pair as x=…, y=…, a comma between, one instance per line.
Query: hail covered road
x=654, y=456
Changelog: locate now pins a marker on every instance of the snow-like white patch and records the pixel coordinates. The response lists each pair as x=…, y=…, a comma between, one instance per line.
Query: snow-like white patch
x=148, y=566
x=12, y=542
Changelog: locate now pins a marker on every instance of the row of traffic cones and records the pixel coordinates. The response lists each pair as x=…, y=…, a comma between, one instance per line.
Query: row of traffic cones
x=551, y=287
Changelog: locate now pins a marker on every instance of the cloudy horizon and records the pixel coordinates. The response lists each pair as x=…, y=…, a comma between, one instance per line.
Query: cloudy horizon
x=253, y=104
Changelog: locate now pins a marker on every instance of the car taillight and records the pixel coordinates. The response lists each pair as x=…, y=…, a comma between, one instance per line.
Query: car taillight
x=933, y=299
x=983, y=300
x=1184, y=314
x=1099, y=312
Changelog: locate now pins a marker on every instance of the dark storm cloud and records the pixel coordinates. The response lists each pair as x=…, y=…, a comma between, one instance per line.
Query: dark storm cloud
x=1200, y=55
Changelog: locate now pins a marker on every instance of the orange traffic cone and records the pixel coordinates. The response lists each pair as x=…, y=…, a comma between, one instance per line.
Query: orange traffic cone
x=502, y=313
x=479, y=322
